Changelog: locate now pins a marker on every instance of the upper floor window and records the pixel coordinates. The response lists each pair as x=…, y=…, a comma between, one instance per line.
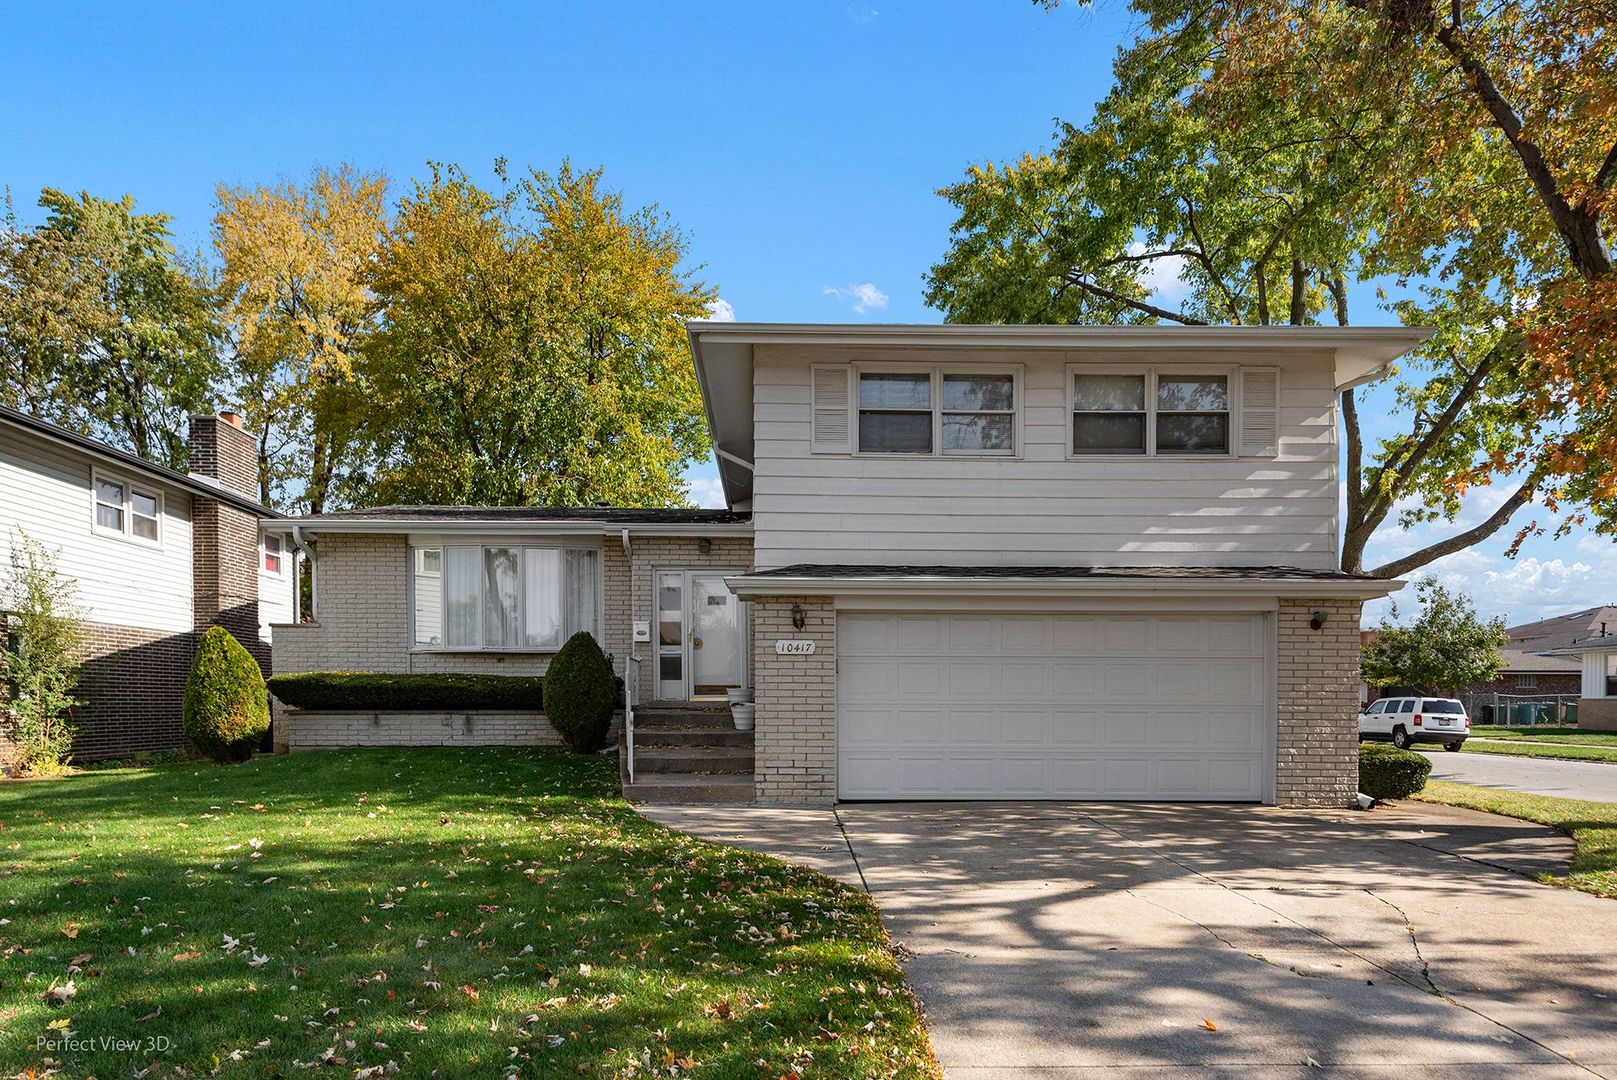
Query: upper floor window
x=1150, y=413
x=272, y=554
x=126, y=510
x=925, y=411
x=508, y=597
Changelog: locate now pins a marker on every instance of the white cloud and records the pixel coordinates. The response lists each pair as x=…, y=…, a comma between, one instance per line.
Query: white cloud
x=706, y=491
x=1162, y=276
x=1520, y=590
x=721, y=310
x=863, y=297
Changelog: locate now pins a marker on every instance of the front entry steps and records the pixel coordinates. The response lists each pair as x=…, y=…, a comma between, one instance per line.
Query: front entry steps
x=687, y=753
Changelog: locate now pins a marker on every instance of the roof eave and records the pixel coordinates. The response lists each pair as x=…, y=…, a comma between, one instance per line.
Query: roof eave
x=314, y=526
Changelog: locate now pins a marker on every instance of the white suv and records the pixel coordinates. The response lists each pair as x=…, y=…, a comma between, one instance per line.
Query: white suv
x=1407, y=720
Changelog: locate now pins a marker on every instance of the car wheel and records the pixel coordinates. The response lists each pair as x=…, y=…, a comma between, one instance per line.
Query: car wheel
x=1400, y=738
x=1451, y=747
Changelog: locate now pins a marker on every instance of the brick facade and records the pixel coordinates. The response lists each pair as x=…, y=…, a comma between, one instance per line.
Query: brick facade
x=795, y=736
x=224, y=539
x=1317, y=699
x=1597, y=714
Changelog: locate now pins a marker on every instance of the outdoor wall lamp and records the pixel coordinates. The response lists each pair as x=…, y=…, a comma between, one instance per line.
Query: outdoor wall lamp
x=1318, y=621
x=705, y=546
x=799, y=617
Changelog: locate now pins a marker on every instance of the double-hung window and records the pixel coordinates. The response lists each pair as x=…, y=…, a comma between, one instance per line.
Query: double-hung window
x=126, y=510
x=936, y=410
x=1150, y=413
x=503, y=597
x=272, y=553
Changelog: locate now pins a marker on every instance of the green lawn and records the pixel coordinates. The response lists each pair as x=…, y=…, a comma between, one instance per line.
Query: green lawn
x=462, y=913
x=1568, y=752
x=1592, y=825
x=1547, y=733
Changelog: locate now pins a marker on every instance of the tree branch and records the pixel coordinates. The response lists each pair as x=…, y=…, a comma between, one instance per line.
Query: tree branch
x=1138, y=305
x=1461, y=541
x=1576, y=227
x=1608, y=170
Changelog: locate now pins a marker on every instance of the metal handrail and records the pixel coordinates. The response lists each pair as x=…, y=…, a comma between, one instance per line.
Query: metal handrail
x=631, y=679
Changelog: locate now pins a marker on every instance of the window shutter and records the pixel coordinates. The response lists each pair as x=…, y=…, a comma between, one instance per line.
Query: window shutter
x=830, y=434
x=1260, y=412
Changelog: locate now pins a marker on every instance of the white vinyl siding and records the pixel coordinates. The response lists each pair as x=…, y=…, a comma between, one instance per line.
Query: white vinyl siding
x=1025, y=705
x=46, y=492
x=1045, y=506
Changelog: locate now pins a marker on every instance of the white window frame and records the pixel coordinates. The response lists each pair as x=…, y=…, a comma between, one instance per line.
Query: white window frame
x=264, y=554
x=414, y=544
x=127, y=508
x=1151, y=373
x=936, y=371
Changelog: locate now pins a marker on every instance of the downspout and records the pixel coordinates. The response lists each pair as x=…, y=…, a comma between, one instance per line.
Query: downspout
x=314, y=575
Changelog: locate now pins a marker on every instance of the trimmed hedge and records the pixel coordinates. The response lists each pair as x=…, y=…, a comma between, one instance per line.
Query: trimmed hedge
x=376, y=690
x=226, y=709
x=580, y=693
x=1386, y=772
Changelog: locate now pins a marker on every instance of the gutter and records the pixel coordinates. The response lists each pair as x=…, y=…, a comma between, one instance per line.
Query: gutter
x=750, y=585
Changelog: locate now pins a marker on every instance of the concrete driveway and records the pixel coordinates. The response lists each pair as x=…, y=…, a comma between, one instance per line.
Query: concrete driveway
x=1049, y=940
x=1593, y=780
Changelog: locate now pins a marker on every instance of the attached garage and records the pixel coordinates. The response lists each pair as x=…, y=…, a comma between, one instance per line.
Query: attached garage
x=1038, y=705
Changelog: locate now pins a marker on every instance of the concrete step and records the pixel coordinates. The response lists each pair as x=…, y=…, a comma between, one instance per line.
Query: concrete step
x=690, y=721
x=690, y=737
x=735, y=760
x=682, y=788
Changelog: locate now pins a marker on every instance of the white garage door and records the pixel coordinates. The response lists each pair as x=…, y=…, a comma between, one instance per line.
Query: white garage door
x=1036, y=706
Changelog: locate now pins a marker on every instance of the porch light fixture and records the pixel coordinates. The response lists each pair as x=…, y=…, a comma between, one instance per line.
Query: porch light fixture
x=799, y=617
x=705, y=545
x=1318, y=621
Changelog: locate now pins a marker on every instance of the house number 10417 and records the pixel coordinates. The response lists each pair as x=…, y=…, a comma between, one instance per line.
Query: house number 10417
x=794, y=648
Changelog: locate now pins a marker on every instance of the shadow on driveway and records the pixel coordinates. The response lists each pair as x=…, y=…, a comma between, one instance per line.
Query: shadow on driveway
x=1062, y=940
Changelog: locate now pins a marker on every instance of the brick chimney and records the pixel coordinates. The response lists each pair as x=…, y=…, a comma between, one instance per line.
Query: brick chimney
x=224, y=538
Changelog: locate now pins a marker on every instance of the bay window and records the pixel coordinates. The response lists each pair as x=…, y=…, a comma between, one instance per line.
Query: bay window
x=503, y=597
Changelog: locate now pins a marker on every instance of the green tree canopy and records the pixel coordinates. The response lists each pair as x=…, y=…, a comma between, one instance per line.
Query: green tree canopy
x=104, y=328
x=530, y=348
x=1446, y=649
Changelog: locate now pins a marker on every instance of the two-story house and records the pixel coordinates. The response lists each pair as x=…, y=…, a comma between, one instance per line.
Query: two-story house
x=156, y=556
x=959, y=562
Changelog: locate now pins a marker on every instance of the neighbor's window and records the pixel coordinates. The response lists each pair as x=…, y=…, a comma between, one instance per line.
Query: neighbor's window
x=109, y=505
x=979, y=414
x=1526, y=682
x=127, y=510
x=1148, y=412
x=508, y=597
x=895, y=413
x=1108, y=414
x=272, y=554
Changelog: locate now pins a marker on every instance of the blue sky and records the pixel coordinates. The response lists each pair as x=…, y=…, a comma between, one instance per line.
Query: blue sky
x=798, y=144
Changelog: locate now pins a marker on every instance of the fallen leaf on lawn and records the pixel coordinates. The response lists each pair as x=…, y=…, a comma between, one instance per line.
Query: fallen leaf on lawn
x=189, y=954
x=80, y=960
x=71, y=930
x=376, y=1071
x=153, y=1015
x=59, y=995
x=1209, y=1025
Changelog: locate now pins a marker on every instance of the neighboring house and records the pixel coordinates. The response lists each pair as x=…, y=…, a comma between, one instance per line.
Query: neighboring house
x=157, y=555
x=974, y=562
x=1597, y=657
x=1528, y=663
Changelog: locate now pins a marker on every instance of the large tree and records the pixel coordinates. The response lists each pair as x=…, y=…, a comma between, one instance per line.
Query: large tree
x=294, y=260
x=104, y=327
x=1270, y=152
x=530, y=347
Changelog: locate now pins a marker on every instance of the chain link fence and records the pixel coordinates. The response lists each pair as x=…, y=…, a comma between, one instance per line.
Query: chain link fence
x=1521, y=710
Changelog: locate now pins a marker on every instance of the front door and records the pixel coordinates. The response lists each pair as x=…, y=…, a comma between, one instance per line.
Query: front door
x=701, y=635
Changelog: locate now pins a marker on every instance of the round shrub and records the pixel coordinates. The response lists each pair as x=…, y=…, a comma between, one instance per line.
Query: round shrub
x=580, y=694
x=1386, y=772
x=226, y=705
